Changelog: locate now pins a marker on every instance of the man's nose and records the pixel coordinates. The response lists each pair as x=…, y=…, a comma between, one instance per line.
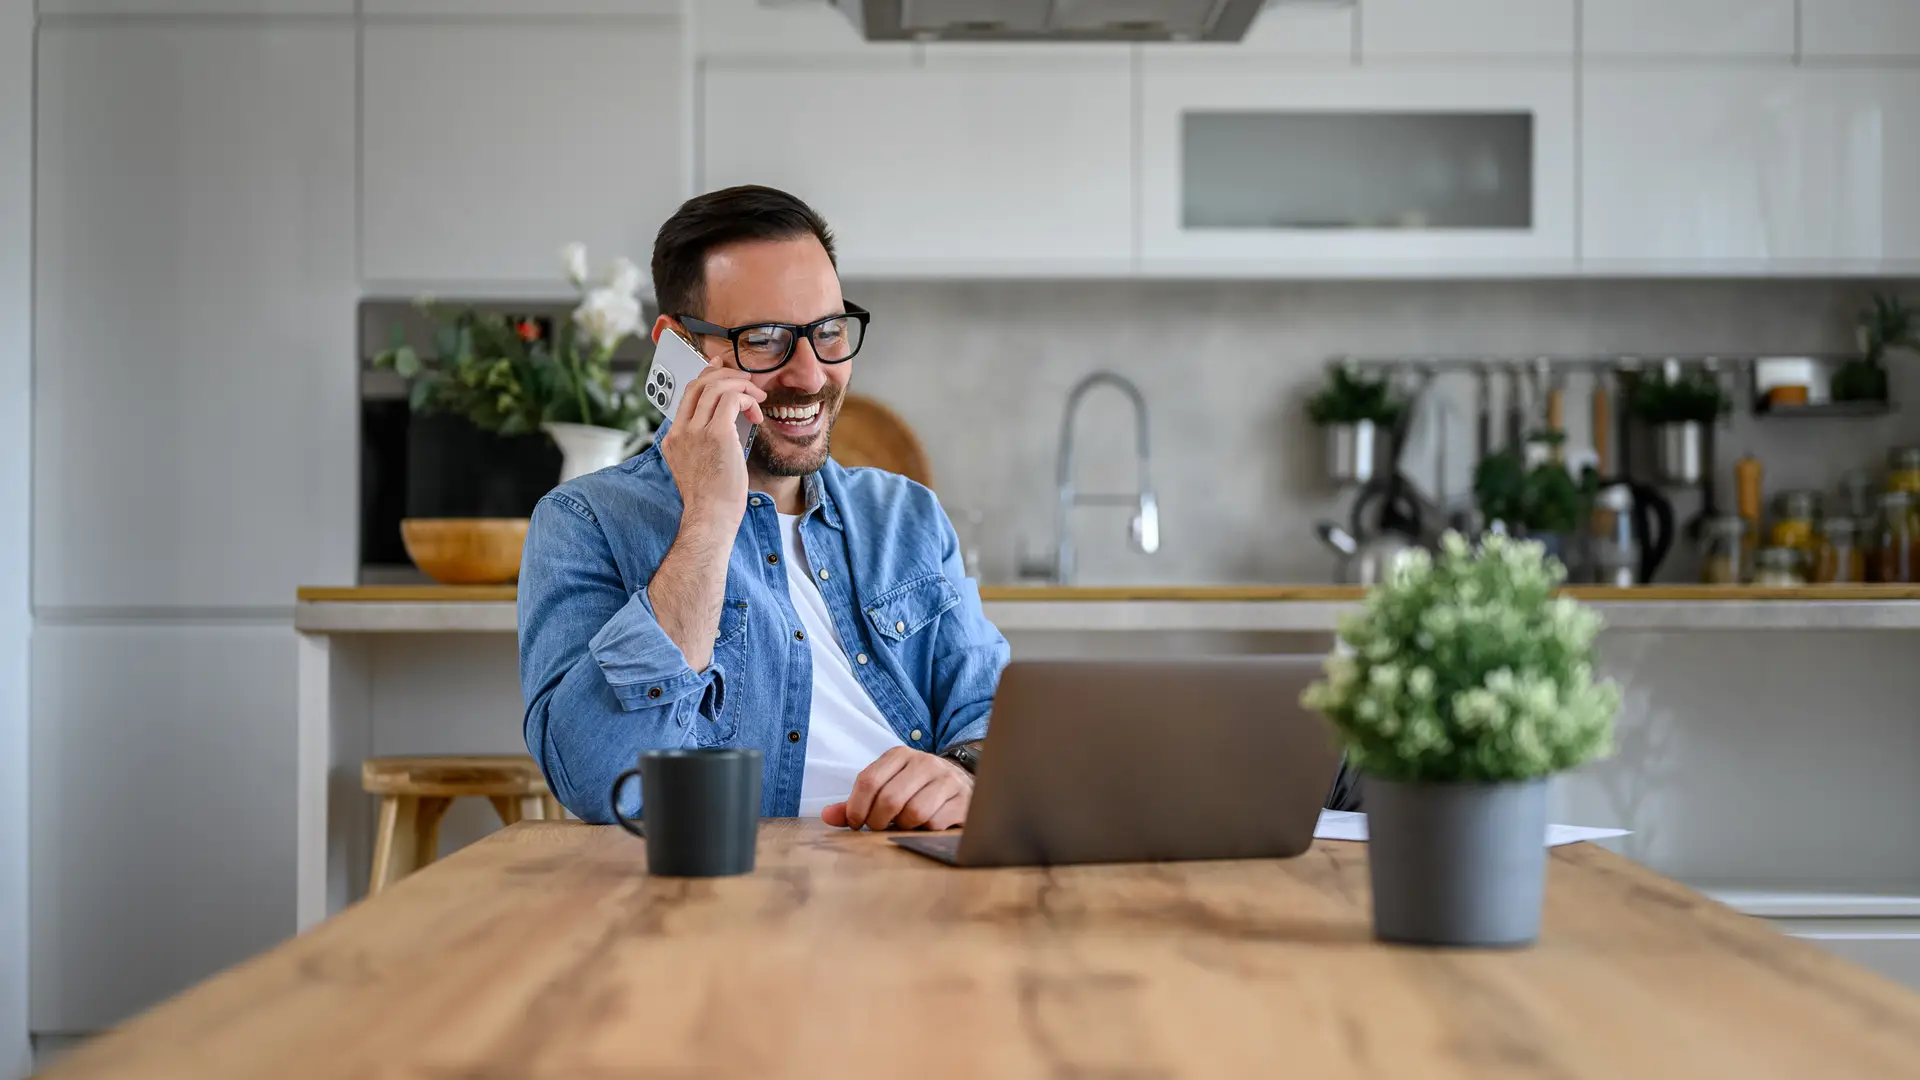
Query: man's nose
x=803, y=370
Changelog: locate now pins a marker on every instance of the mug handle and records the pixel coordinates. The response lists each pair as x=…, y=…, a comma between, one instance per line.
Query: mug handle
x=632, y=825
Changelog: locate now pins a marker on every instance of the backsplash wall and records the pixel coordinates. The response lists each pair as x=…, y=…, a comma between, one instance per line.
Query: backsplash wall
x=981, y=372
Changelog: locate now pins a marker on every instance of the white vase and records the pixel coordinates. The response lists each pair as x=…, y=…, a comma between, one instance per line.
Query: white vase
x=585, y=448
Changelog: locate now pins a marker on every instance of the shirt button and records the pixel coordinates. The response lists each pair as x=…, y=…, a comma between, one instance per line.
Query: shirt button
x=900, y=627
x=654, y=693
x=861, y=659
x=793, y=736
x=824, y=575
x=755, y=501
x=799, y=635
x=772, y=559
x=914, y=734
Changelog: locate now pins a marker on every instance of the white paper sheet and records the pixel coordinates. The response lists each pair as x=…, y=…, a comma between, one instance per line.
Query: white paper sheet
x=1349, y=825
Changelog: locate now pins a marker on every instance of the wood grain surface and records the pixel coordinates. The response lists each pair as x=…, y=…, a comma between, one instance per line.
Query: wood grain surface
x=1215, y=593
x=546, y=951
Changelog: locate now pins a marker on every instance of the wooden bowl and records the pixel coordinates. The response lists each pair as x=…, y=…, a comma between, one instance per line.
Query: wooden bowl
x=466, y=551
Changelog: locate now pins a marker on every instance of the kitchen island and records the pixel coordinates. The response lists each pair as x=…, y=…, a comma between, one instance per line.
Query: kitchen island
x=1769, y=740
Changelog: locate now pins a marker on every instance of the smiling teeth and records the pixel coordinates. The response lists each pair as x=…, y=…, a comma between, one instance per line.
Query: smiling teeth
x=794, y=414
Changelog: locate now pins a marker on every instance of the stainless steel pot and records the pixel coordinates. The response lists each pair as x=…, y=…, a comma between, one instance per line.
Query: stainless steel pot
x=1680, y=452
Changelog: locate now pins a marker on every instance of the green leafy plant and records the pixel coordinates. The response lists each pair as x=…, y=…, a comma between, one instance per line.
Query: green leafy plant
x=1350, y=397
x=507, y=376
x=1466, y=668
x=1694, y=395
x=1888, y=324
x=1539, y=498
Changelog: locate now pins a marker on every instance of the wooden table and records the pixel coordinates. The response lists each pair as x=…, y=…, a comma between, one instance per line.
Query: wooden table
x=546, y=952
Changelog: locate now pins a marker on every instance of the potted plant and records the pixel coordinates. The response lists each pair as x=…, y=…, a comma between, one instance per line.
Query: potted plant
x=1530, y=494
x=512, y=378
x=1459, y=690
x=1679, y=404
x=1889, y=323
x=1358, y=415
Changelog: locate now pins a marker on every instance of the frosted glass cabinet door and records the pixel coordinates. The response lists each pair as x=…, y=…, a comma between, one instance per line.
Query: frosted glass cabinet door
x=1752, y=170
x=195, y=399
x=977, y=172
x=488, y=145
x=1356, y=170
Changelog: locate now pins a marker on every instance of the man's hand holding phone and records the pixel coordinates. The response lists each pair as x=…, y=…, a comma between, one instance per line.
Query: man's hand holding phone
x=702, y=447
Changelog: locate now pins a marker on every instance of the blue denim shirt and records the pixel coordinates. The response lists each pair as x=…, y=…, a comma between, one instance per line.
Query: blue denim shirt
x=603, y=682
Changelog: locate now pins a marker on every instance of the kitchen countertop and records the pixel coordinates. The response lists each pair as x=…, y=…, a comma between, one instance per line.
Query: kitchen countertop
x=1231, y=608
x=546, y=949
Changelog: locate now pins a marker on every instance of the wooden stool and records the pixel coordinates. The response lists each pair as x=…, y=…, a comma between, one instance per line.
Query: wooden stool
x=416, y=791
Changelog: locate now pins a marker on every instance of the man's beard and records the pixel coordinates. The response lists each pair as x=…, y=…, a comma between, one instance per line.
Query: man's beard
x=771, y=457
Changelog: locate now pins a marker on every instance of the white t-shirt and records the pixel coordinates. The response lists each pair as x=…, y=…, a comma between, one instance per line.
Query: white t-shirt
x=845, y=731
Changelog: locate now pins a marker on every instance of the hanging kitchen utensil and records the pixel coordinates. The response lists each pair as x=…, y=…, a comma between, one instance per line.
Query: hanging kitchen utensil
x=1516, y=408
x=1483, y=420
x=1392, y=501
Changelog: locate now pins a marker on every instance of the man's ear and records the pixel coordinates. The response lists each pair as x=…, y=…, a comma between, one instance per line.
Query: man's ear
x=665, y=322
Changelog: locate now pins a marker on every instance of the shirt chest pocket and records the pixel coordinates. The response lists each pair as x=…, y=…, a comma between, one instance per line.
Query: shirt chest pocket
x=901, y=612
x=730, y=656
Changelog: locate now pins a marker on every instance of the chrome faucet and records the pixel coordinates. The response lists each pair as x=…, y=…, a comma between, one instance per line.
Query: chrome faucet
x=1145, y=527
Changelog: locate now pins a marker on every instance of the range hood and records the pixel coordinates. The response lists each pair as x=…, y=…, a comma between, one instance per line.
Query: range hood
x=1051, y=20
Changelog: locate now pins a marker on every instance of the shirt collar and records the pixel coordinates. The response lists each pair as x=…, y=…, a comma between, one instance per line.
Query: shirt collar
x=819, y=499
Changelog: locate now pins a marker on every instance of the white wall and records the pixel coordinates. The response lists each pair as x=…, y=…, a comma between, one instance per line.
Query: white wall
x=16, y=438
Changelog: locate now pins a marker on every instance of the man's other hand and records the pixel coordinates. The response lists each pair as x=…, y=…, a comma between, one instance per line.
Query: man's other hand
x=905, y=789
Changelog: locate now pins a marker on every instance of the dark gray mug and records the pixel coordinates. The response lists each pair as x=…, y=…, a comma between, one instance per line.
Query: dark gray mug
x=699, y=810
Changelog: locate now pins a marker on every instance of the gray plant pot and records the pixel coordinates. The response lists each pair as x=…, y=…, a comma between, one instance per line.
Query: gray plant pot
x=1457, y=864
x=1680, y=452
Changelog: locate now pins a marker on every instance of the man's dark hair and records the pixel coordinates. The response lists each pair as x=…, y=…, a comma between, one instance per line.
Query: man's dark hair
x=718, y=218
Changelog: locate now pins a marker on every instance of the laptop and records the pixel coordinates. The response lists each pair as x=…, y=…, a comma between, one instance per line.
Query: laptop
x=1142, y=761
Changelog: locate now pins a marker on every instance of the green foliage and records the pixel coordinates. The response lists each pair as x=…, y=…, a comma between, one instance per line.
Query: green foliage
x=1890, y=323
x=1350, y=397
x=1542, y=498
x=486, y=370
x=1694, y=395
x=1466, y=668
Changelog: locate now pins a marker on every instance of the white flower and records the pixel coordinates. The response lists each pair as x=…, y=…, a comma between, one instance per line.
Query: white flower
x=574, y=258
x=606, y=317
x=625, y=277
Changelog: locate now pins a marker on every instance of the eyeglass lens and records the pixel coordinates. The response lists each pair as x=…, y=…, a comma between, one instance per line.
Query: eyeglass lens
x=762, y=348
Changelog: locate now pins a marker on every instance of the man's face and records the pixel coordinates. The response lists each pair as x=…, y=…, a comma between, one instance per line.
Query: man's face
x=781, y=281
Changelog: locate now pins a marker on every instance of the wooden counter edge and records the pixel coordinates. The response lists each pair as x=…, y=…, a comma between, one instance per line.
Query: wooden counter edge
x=1003, y=594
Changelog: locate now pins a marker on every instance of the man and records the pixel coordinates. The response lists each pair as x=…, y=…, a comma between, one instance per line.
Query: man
x=696, y=596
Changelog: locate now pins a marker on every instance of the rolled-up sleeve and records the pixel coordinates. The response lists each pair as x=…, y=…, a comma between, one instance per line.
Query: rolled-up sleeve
x=602, y=681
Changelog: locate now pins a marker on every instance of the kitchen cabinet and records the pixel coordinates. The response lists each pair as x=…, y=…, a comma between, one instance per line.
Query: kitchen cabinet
x=487, y=146
x=1705, y=170
x=195, y=393
x=994, y=169
x=1396, y=29
x=1730, y=28
x=543, y=8
x=791, y=35
x=162, y=812
x=1356, y=172
x=1859, y=28
x=196, y=7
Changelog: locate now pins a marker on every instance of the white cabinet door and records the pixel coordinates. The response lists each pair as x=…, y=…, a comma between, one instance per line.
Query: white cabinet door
x=195, y=423
x=1854, y=28
x=795, y=34
x=196, y=7
x=998, y=170
x=1695, y=170
x=1513, y=156
x=162, y=817
x=1391, y=29
x=1688, y=28
x=487, y=146
x=523, y=7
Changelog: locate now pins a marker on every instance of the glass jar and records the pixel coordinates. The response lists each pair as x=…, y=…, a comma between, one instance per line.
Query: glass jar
x=1859, y=494
x=1839, y=557
x=1723, y=556
x=1794, y=513
x=1893, y=561
x=1778, y=567
x=1903, y=469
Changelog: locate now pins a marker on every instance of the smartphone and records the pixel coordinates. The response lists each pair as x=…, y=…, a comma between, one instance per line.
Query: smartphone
x=675, y=365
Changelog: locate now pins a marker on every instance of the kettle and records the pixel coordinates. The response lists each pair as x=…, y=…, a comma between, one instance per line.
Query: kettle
x=1362, y=562
x=1632, y=533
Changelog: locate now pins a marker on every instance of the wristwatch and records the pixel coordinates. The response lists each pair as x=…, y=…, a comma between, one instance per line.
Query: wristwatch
x=965, y=754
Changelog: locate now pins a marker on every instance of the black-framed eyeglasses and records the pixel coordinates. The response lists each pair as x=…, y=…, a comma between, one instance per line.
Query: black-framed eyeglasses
x=763, y=347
